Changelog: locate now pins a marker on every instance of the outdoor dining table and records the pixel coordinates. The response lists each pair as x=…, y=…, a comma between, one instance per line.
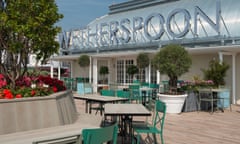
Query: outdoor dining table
x=126, y=112
x=96, y=98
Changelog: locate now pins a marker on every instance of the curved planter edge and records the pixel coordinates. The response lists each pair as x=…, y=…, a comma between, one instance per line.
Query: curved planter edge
x=37, y=112
x=174, y=103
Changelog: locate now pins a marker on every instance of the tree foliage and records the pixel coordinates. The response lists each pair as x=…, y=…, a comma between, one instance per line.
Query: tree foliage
x=216, y=72
x=103, y=70
x=174, y=61
x=26, y=27
x=142, y=60
x=132, y=70
x=84, y=61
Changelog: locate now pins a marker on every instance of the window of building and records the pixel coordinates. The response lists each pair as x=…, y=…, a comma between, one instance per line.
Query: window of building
x=153, y=75
x=122, y=76
x=120, y=71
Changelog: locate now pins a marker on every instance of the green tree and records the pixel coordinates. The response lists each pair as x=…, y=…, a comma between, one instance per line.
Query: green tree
x=26, y=27
x=174, y=61
x=132, y=70
x=84, y=61
x=142, y=62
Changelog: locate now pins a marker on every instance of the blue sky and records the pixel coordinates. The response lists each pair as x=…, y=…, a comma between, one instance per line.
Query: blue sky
x=78, y=13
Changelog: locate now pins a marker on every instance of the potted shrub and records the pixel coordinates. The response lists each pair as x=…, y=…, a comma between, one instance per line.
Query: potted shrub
x=172, y=60
x=84, y=61
x=104, y=71
x=217, y=72
x=142, y=62
x=132, y=70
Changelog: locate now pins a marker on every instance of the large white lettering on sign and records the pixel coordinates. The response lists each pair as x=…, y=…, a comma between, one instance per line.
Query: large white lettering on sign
x=151, y=28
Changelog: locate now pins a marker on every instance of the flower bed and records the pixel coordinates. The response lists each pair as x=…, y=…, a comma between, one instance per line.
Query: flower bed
x=30, y=86
x=37, y=112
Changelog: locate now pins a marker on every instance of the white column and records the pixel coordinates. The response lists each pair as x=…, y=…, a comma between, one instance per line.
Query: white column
x=59, y=70
x=90, y=71
x=233, y=73
x=71, y=65
x=220, y=55
x=51, y=69
x=149, y=73
x=95, y=75
x=234, y=78
x=158, y=77
x=110, y=70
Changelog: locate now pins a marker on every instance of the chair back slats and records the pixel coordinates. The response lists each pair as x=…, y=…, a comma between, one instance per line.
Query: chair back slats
x=156, y=127
x=123, y=94
x=100, y=135
x=107, y=92
x=160, y=112
x=135, y=92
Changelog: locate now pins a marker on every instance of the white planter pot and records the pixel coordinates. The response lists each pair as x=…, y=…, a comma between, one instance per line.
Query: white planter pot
x=174, y=103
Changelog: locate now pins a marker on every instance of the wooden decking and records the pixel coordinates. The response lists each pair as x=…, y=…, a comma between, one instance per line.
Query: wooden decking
x=184, y=128
x=198, y=127
x=203, y=128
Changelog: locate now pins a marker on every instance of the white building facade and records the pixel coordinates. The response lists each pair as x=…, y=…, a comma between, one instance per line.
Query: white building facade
x=208, y=29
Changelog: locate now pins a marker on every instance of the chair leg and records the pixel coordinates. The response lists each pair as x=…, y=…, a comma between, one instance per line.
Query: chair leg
x=162, y=141
x=154, y=138
x=138, y=138
x=199, y=105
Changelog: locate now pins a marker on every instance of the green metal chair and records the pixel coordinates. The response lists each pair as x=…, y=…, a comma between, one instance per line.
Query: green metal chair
x=206, y=95
x=107, y=92
x=157, y=124
x=123, y=94
x=135, y=92
x=100, y=135
x=155, y=88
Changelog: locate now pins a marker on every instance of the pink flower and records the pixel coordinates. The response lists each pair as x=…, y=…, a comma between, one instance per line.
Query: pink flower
x=3, y=81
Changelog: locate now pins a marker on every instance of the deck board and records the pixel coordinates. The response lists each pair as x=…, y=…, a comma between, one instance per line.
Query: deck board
x=184, y=128
x=199, y=127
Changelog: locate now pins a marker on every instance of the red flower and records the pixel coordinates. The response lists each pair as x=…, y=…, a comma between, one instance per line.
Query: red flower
x=33, y=92
x=54, y=89
x=18, y=96
x=6, y=91
x=8, y=96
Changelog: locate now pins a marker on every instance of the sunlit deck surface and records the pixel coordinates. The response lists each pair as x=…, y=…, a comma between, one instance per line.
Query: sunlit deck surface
x=198, y=127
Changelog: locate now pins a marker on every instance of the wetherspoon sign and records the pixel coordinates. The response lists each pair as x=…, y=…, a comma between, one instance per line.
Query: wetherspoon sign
x=127, y=30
